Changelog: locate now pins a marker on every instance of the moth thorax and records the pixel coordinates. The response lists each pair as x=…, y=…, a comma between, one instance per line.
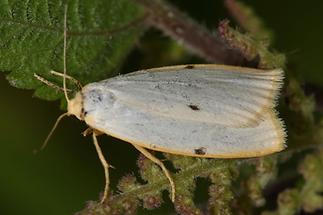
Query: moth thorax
x=75, y=106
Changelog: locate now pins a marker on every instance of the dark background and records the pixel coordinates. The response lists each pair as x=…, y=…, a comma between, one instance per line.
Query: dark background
x=67, y=173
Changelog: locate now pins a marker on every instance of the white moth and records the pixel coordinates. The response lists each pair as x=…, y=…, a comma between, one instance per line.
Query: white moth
x=211, y=111
x=197, y=110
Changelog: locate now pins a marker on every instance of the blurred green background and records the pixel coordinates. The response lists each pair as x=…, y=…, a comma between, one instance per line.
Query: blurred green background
x=67, y=173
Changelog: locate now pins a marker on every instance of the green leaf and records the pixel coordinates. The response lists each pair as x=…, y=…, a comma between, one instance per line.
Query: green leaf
x=100, y=34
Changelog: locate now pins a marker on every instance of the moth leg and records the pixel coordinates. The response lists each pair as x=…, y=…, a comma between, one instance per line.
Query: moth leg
x=89, y=131
x=161, y=165
x=105, y=166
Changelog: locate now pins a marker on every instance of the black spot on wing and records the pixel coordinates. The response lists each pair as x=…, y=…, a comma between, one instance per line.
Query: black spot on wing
x=189, y=67
x=200, y=151
x=193, y=107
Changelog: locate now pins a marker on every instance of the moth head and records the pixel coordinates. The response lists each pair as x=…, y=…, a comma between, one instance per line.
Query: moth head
x=75, y=106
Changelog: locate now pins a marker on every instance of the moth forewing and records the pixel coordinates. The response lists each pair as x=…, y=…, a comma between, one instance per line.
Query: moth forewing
x=180, y=110
x=219, y=94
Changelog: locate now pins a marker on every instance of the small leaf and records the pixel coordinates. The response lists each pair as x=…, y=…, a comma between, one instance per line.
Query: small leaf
x=288, y=201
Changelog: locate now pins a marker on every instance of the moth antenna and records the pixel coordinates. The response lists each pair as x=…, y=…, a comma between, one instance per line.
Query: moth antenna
x=64, y=53
x=51, y=132
x=64, y=82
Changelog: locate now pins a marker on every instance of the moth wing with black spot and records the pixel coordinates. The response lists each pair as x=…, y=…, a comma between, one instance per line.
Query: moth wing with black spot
x=183, y=110
x=231, y=96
